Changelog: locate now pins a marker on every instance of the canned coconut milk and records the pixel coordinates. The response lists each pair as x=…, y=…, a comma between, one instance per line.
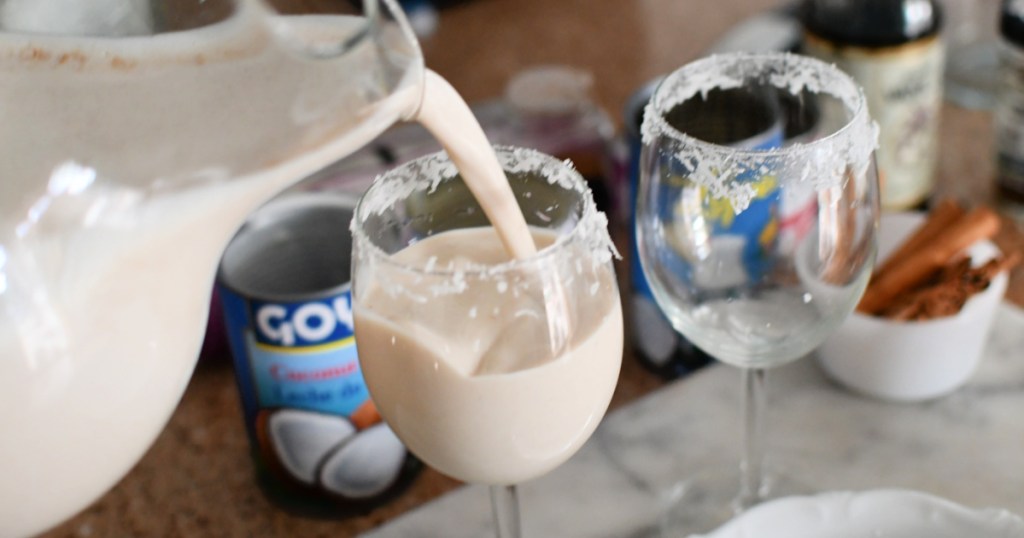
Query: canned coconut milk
x=319, y=446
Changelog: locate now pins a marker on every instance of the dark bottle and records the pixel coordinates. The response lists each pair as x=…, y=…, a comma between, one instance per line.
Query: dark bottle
x=1008, y=116
x=893, y=49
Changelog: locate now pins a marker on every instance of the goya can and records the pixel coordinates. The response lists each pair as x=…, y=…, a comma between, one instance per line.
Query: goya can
x=318, y=443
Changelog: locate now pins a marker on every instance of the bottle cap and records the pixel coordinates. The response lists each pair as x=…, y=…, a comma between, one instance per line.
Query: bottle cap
x=871, y=23
x=1011, y=22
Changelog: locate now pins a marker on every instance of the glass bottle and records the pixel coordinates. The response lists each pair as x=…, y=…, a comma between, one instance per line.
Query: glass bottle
x=893, y=49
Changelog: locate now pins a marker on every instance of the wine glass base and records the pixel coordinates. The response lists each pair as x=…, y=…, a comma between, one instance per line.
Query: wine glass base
x=709, y=498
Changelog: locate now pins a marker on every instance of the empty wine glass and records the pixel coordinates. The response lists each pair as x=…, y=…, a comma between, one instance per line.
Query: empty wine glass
x=756, y=224
x=490, y=369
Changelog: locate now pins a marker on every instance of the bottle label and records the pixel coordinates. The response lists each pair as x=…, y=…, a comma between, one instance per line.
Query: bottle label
x=903, y=86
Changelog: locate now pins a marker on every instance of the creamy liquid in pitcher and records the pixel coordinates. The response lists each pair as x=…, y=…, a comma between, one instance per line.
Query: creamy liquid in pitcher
x=132, y=162
x=494, y=405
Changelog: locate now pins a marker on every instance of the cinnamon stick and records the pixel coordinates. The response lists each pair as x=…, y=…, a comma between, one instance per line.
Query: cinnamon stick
x=944, y=296
x=980, y=223
x=945, y=212
x=950, y=290
x=838, y=239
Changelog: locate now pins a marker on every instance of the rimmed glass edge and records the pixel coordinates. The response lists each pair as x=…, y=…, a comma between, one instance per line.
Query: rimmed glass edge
x=591, y=229
x=655, y=124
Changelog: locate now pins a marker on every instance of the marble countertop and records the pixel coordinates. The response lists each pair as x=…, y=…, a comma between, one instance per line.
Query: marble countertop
x=967, y=447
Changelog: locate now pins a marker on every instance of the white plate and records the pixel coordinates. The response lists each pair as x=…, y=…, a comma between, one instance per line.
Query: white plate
x=886, y=513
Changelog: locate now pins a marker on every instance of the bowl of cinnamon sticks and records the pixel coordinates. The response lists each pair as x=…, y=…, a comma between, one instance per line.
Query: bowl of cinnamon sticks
x=920, y=329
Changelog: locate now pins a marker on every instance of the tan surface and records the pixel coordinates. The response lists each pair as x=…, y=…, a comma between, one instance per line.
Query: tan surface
x=197, y=479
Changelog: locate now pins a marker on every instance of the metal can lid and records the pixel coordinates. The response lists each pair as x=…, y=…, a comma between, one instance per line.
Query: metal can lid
x=296, y=247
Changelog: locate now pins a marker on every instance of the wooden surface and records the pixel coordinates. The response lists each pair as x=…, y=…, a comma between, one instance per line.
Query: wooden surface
x=197, y=479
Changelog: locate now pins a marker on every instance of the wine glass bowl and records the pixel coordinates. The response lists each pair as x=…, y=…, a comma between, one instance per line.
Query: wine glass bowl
x=757, y=212
x=490, y=369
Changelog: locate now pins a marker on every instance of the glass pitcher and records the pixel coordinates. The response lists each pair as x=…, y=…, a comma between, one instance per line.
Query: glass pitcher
x=135, y=136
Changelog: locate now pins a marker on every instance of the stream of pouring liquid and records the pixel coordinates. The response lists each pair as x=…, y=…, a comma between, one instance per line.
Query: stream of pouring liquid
x=449, y=119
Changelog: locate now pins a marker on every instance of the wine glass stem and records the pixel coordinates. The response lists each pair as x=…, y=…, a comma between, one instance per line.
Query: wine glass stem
x=751, y=466
x=505, y=504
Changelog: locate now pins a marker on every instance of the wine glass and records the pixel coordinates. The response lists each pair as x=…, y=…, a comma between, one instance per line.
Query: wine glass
x=144, y=133
x=490, y=369
x=756, y=223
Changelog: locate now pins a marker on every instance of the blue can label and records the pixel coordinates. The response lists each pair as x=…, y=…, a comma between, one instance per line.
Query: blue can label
x=307, y=409
x=305, y=324
x=303, y=355
x=300, y=354
x=755, y=229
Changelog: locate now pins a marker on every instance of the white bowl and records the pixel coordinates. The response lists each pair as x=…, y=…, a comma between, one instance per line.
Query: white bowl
x=888, y=513
x=913, y=360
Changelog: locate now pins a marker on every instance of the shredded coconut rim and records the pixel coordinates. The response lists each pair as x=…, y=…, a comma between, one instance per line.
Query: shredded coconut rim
x=713, y=72
x=855, y=141
x=427, y=173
